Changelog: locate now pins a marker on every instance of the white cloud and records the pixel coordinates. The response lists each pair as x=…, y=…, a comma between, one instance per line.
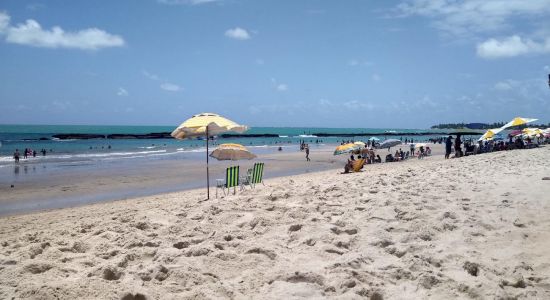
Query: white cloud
x=237, y=33
x=503, y=86
x=167, y=86
x=282, y=87
x=357, y=105
x=355, y=62
x=170, y=87
x=186, y=2
x=35, y=6
x=4, y=21
x=150, y=76
x=122, y=92
x=511, y=46
x=61, y=105
x=467, y=16
x=31, y=33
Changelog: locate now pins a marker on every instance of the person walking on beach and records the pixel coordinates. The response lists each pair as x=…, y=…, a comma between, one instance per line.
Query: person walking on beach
x=412, y=149
x=16, y=156
x=307, y=153
x=448, y=146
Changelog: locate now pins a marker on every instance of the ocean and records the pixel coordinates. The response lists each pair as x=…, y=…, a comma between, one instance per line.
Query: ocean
x=38, y=137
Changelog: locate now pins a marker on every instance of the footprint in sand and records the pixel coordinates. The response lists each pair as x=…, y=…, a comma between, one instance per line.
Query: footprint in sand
x=37, y=268
x=136, y=296
x=295, y=227
x=111, y=273
x=269, y=253
x=339, y=231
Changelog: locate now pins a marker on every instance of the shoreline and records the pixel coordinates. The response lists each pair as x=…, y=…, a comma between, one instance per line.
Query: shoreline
x=460, y=228
x=49, y=188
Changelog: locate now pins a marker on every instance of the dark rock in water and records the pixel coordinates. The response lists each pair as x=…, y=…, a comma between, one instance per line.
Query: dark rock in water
x=154, y=135
x=253, y=135
x=86, y=136
x=78, y=136
x=44, y=139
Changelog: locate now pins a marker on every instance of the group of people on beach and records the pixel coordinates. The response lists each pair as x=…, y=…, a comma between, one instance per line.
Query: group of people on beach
x=469, y=147
x=27, y=153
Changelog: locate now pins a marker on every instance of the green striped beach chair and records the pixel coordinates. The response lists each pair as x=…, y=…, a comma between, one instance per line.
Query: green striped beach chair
x=253, y=176
x=231, y=180
x=257, y=174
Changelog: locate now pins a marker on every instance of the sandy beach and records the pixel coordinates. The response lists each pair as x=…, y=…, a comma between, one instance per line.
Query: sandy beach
x=43, y=186
x=474, y=227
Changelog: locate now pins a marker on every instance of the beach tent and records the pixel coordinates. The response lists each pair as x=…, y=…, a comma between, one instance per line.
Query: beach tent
x=489, y=134
x=206, y=125
x=518, y=121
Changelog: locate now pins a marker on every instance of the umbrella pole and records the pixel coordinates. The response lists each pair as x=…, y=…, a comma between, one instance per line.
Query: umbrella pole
x=207, y=175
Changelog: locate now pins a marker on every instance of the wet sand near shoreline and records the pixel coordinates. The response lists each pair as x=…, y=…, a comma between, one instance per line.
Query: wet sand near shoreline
x=39, y=189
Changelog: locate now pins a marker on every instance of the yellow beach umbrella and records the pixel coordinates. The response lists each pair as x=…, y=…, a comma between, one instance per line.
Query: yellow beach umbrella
x=231, y=152
x=518, y=121
x=360, y=144
x=207, y=125
x=346, y=148
x=532, y=131
x=489, y=134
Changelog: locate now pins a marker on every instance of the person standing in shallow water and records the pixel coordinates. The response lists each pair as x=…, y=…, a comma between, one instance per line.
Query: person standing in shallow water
x=16, y=155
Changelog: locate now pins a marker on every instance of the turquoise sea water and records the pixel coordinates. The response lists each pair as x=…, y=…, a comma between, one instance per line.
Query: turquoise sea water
x=29, y=136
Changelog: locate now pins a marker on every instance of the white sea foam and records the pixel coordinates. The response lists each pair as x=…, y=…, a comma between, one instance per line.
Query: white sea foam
x=306, y=136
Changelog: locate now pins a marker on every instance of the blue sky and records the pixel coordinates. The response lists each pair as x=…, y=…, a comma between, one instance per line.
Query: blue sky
x=399, y=64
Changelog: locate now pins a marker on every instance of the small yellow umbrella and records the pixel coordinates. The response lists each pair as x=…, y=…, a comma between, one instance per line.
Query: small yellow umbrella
x=346, y=148
x=360, y=144
x=489, y=134
x=207, y=125
x=232, y=152
x=532, y=131
x=518, y=121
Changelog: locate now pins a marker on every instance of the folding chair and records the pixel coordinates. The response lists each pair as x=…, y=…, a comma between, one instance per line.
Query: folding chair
x=231, y=180
x=257, y=174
